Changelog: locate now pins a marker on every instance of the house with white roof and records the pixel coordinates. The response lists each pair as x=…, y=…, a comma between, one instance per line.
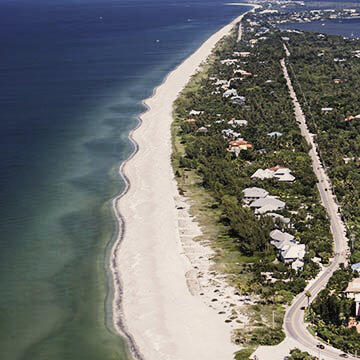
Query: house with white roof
x=274, y=134
x=267, y=204
x=254, y=193
x=353, y=292
x=293, y=252
x=284, y=174
x=235, y=122
x=277, y=235
x=297, y=265
x=241, y=53
x=278, y=172
x=195, y=112
x=262, y=174
x=238, y=100
x=229, y=61
x=327, y=109
x=230, y=93
x=356, y=267
x=219, y=82
x=283, y=245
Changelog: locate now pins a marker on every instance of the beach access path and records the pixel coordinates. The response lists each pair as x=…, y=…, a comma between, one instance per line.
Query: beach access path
x=152, y=302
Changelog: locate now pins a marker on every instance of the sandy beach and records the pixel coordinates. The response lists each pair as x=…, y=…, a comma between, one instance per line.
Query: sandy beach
x=156, y=298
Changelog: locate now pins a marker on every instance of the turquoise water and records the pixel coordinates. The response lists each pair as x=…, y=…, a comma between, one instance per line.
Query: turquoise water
x=72, y=75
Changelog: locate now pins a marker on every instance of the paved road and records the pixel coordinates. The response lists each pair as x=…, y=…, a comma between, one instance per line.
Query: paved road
x=294, y=325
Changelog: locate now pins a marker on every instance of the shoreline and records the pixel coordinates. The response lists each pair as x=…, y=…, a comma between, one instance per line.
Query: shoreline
x=132, y=256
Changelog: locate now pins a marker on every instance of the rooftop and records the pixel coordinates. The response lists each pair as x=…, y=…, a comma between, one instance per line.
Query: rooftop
x=255, y=192
x=354, y=286
x=278, y=235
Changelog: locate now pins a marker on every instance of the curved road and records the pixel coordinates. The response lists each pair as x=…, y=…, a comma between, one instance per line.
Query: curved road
x=295, y=327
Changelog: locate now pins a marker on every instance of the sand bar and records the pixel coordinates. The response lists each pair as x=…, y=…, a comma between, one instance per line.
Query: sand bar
x=148, y=261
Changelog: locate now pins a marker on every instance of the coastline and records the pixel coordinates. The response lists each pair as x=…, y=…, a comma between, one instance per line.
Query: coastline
x=158, y=314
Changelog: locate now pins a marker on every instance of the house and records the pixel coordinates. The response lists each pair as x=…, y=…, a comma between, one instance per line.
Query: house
x=219, y=82
x=253, y=42
x=195, y=112
x=238, y=100
x=356, y=267
x=278, y=236
x=353, y=288
x=235, y=123
x=277, y=172
x=254, y=193
x=297, y=265
x=274, y=134
x=241, y=53
x=262, y=174
x=284, y=174
x=353, y=292
x=230, y=93
x=293, y=252
x=237, y=145
x=349, y=118
x=283, y=245
x=267, y=204
x=338, y=81
x=243, y=73
x=230, y=133
x=202, y=130
x=327, y=109
x=229, y=62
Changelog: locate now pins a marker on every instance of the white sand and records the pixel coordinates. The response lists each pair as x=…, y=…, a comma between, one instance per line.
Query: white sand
x=165, y=320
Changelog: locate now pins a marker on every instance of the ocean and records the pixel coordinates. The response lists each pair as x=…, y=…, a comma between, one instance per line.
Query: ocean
x=73, y=74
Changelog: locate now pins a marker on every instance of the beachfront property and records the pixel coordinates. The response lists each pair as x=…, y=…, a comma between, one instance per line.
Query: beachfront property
x=290, y=250
x=254, y=193
x=267, y=204
x=278, y=236
x=278, y=172
x=293, y=252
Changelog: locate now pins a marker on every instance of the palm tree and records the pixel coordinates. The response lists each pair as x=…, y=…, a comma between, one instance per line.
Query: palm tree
x=308, y=295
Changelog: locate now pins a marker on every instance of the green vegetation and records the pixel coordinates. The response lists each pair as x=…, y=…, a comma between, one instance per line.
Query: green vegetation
x=213, y=178
x=296, y=354
x=331, y=311
x=325, y=71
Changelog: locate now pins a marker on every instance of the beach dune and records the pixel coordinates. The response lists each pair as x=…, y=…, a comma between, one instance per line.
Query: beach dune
x=164, y=319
